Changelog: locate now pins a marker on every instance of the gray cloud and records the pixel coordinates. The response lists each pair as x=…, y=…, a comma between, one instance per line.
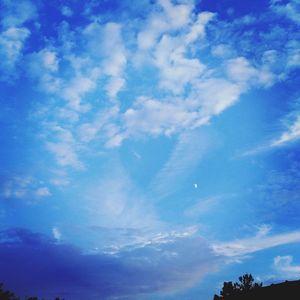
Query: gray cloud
x=34, y=264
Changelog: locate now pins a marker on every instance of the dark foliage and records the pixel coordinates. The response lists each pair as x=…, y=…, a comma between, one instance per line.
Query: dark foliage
x=245, y=285
x=247, y=289
x=8, y=295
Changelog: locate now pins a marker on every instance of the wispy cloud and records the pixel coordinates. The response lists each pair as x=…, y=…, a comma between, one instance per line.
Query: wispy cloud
x=205, y=205
x=189, y=150
x=114, y=201
x=259, y=242
x=291, y=134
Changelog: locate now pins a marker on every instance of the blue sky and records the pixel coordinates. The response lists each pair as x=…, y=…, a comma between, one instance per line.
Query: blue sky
x=149, y=149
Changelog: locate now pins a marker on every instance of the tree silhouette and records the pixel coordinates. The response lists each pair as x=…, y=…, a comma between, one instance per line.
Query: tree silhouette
x=6, y=295
x=245, y=285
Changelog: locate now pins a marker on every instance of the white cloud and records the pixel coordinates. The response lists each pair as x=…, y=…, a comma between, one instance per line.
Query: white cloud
x=115, y=58
x=114, y=51
x=222, y=51
x=77, y=88
x=56, y=233
x=106, y=44
x=156, y=117
x=177, y=15
x=14, y=34
x=60, y=178
x=197, y=29
x=216, y=94
x=169, y=116
x=60, y=181
x=43, y=66
x=177, y=67
x=65, y=154
x=240, y=70
x=115, y=85
x=49, y=60
x=171, y=18
x=259, y=242
x=17, y=13
x=293, y=54
x=284, y=266
x=102, y=123
x=65, y=148
x=176, y=70
x=11, y=46
x=66, y=11
x=291, y=134
x=26, y=188
x=290, y=9
x=42, y=192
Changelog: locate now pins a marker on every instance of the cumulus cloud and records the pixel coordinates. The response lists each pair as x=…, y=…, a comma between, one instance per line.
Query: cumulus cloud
x=172, y=17
x=14, y=34
x=156, y=117
x=65, y=148
x=291, y=9
x=11, y=45
x=176, y=67
x=284, y=265
x=189, y=90
x=66, y=11
x=106, y=43
x=17, y=13
x=25, y=188
x=176, y=70
x=43, y=67
x=169, y=116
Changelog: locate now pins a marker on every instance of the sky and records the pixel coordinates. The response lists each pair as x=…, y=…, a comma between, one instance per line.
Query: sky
x=149, y=148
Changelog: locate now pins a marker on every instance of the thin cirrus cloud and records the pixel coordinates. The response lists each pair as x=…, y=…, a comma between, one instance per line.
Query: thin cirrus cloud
x=257, y=243
x=289, y=135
